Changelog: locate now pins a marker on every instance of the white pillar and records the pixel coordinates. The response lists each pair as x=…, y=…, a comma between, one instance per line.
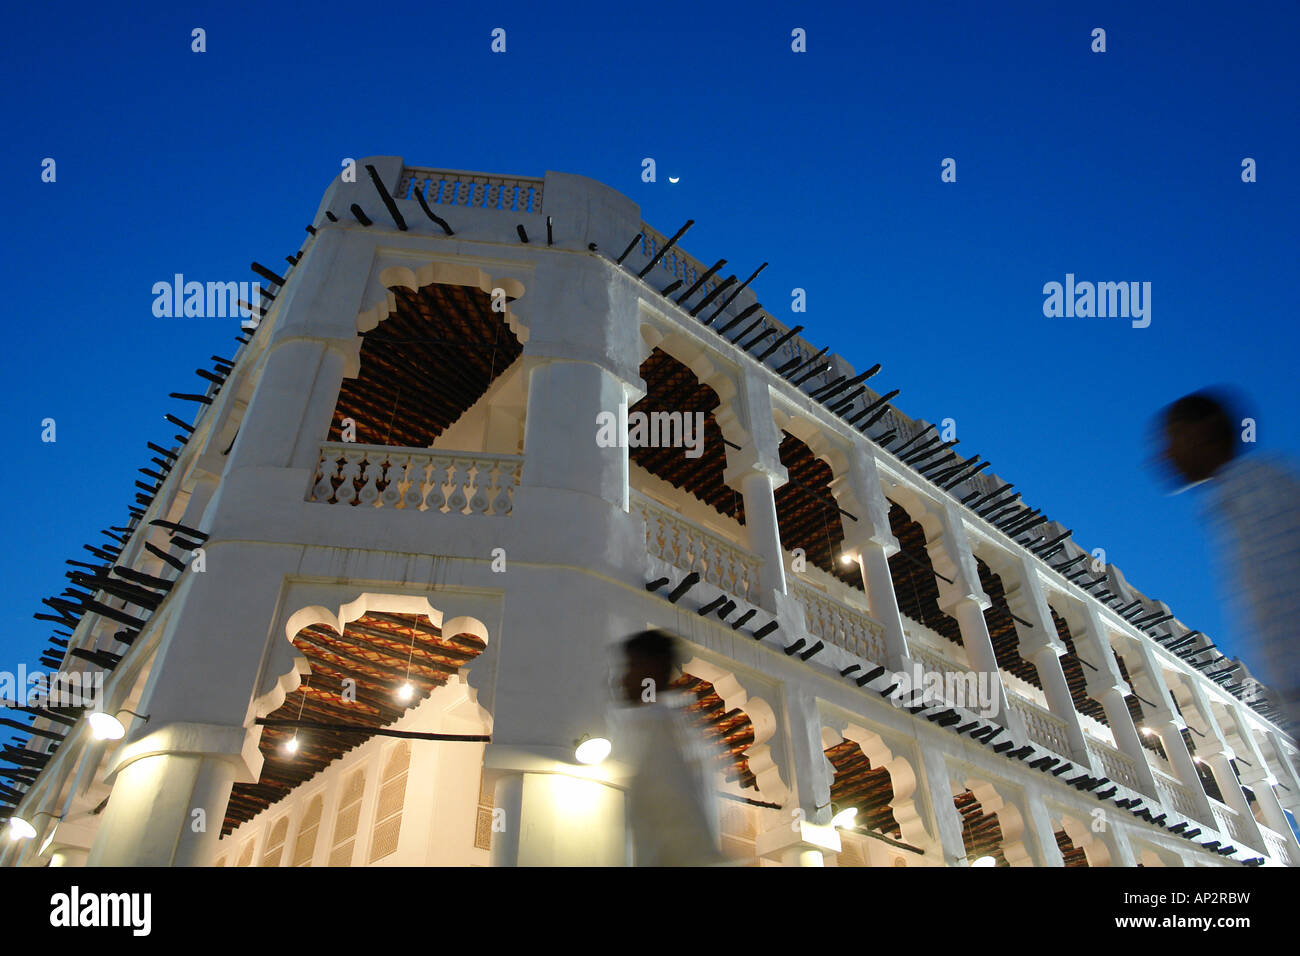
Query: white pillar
x=812, y=776
x=872, y=538
x=947, y=825
x=758, y=488
x=1041, y=645
x=560, y=448
x=1219, y=759
x=1285, y=771
x=963, y=597
x=1164, y=723
x=1107, y=686
x=757, y=470
x=151, y=817
x=1041, y=823
x=1261, y=780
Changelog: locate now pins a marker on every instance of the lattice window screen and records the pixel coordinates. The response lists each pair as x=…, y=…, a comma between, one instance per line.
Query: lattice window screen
x=388, y=808
x=305, y=846
x=483, y=819
x=246, y=854
x=347, y=818
x=275, y=842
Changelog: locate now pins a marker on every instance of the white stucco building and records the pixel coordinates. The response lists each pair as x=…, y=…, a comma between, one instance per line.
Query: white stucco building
x=400, y=483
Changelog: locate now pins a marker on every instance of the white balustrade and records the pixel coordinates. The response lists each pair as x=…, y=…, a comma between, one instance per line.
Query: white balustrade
x=454, y=187
x=416, y=479
x=1116, y=764
x=685, y=545
x=1228, y=822
x=837, y=623
x=1044, y=727
x=1276, y=846
x=1174, y=795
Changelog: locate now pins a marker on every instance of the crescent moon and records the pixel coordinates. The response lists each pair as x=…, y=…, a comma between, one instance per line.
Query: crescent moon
x=673, y=179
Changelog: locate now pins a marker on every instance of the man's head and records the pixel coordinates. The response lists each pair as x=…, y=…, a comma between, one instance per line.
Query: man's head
x=1199, y=434
x=651, y=654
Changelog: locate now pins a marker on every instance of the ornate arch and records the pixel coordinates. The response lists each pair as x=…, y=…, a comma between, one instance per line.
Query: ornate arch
x=903, y=777
x=759, y=753
x=440, y=273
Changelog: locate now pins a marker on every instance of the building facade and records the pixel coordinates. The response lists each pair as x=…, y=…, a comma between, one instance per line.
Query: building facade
x=476, y=440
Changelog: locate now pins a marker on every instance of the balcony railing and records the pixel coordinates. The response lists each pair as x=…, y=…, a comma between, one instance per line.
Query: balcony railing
x=1175, y=795
x=837, y=623
x=1229, y=822
x=416, y=479
x=1044, y=727
x=455, y=187
x=1276, y=846
x=1116, y=764
x=687, y=546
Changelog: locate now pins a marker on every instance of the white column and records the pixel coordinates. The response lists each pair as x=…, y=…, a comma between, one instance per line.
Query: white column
x=963, y=597
x=1041, y=645
x=1107, y=686
x=947, y=821
x=1041, y=823
x=290, y=411
x=561, y=425
x=1164, y=723
x=1285, y=771
x=1116, y=837
x=872, y=539
x=757, y=470
x=812, y=776
x=151, y=818
x=1219, y=758
x=1261, y=780
x=758, y=489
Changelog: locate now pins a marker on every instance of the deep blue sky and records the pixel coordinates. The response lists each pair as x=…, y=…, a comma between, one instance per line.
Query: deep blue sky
x=1115, y=166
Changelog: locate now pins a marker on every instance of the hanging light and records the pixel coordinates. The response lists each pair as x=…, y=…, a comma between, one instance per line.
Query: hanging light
x=591, y=750
x=985, y=861
x=406, y=691
x=291, y=745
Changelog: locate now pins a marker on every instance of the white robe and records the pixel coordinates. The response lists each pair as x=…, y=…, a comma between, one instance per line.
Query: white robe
x=672, y=810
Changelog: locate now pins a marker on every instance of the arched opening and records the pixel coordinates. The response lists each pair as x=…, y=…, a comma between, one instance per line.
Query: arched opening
x=1071, y=854
x=913, y=574
x=868, y=789
x=356, y=678
x=673, y=388
x=1002, y=628
x=435, y=355
x=981, y=833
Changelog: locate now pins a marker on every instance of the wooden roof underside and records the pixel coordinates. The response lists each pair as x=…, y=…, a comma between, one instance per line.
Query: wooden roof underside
x=858, y=784
x=981, y=833
x=424, y=366
x=372, y=651
x=730, y=732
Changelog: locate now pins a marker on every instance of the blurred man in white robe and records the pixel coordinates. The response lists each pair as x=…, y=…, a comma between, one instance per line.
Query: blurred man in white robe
x=672, y=810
